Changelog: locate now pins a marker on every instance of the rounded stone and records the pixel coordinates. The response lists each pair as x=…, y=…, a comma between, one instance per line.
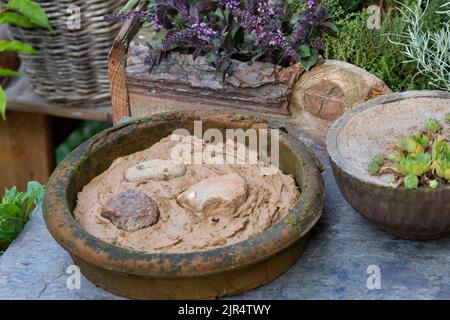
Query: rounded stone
x=131, y=211
x=221, y=195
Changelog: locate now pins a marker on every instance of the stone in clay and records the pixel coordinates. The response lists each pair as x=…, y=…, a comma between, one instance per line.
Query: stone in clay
x=131, y=211
x=155, y=170
x=221, y=195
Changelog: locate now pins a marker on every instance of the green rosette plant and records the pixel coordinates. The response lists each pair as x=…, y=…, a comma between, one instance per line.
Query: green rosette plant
x=433, y=125
x=414, y=144
x=375, y=164
x=441, y=158
x=447, y=118
x=413, y=164
x=422, y=159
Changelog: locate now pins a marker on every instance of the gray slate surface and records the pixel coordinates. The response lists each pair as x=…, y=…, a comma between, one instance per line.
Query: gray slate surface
x=334, y=265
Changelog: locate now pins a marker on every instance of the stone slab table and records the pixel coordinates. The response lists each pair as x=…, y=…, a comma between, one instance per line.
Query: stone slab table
x=335, y=265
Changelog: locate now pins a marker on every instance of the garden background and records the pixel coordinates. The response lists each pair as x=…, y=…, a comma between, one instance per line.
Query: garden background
x=409, y=51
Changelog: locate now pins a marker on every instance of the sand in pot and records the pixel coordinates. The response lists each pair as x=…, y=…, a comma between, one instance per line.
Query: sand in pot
x=192, y=217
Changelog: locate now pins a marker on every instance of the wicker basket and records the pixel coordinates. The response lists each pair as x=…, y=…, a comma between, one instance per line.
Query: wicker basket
x=72, y=66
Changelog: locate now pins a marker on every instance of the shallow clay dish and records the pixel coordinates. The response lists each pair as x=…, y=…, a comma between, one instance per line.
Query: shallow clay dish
x=196, y=275
x=366, y=131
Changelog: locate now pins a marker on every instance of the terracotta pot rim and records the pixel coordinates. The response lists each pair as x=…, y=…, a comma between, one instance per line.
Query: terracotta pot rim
x=80, y=243
x=332, y=136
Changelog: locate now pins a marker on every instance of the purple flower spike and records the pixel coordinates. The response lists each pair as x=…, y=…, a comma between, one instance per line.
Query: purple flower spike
x=122, y=16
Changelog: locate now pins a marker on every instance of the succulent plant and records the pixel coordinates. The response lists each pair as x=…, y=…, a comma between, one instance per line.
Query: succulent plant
x=442, y=168
x=447, y=118
x=441, y=158
x=411, y=182
x=415, y=164
x=433, y=125
x=434, y=184
x=375, y=164
x=414, y=144
x=440, y=149
x=392, y=157
x=421, y=159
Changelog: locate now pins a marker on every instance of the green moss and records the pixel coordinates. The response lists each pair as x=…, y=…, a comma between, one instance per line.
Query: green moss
x=299, y=222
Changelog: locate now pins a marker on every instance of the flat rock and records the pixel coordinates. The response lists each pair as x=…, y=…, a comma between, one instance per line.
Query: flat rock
x=221, y=195
x=131, y=211
x=155, y=170
x=325, y=100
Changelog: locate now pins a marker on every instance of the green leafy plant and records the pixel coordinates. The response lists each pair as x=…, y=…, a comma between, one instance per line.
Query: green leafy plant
x=413, y=164
x=441, y=158
x=25, y=14
x=411, y=182
x=378, y=51
x=355, y=5
x=83, y=133
x=440, y=149
x=433, y=125
x=447, y=117
x=428, y=49
x=442, y=168
x=434, y=184
x=275, y=31
x=15, y=209
x=414, y=144
x=375, y=164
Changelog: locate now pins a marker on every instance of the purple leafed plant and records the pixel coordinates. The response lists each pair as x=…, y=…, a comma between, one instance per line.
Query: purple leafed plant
x=272, y=31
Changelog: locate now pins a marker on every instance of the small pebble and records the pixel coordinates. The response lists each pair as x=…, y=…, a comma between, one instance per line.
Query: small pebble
x=155, y=170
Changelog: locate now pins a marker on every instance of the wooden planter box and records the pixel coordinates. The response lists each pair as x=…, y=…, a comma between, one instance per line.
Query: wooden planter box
x=180, y=83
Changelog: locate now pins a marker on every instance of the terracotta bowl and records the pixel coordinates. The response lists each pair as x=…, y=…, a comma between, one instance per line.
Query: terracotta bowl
x=195, y=275
x=364, y=132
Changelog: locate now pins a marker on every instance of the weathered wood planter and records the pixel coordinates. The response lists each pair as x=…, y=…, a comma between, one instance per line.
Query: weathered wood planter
x=364, y=132
x=180, y=83
x=195, y=275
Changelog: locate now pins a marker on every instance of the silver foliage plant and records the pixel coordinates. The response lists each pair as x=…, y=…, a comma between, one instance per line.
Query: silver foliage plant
x=429, y=50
